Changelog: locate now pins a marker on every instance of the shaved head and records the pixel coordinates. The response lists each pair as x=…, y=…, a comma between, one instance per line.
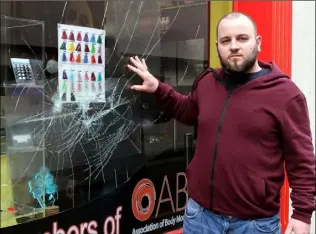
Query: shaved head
x=235, y=15
x=238, y=43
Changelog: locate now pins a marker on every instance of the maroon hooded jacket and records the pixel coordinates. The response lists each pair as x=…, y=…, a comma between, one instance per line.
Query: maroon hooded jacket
x=244, y=137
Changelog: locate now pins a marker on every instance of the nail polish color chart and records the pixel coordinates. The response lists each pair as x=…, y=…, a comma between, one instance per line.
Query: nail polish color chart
x=81, y=64
x=81, y=84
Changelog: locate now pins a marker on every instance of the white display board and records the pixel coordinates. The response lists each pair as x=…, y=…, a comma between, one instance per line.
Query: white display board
x=81, y=64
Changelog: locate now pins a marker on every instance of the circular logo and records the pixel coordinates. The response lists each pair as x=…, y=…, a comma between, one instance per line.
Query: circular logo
x=144, y=189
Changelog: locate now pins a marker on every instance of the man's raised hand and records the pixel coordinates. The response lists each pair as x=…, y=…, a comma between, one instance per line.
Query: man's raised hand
x=150, y=83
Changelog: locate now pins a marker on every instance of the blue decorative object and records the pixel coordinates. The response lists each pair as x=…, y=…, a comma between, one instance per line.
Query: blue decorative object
x=43, y=185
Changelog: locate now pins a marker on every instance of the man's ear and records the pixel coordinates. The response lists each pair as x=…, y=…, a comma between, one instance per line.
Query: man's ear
x=216, y=43
x=259, y=42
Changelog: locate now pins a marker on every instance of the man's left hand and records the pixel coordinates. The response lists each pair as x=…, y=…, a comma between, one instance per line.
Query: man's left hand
x=297, y=227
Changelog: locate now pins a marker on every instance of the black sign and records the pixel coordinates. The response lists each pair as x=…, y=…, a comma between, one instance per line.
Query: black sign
x=151, y=201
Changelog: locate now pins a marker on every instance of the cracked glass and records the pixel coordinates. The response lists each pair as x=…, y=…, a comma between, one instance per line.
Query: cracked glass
x=56, y=156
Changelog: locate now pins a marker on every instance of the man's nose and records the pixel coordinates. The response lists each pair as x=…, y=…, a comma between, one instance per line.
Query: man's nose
x=234, y=45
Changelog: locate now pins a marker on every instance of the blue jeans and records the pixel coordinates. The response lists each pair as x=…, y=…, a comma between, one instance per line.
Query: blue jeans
x=202, y=221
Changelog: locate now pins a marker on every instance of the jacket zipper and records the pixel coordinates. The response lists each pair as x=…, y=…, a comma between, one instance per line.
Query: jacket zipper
x=219, y=129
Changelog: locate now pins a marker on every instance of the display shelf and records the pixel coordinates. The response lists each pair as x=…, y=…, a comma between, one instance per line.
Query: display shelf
x=179, y=6
x=15, y=85
x=20, y=31
x=28, y=149
x=38, y=214
x=24, y=151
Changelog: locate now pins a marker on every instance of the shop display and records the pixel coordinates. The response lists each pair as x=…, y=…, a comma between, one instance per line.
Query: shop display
x=22, y=71
x=27, y=71
x=81, y=64
x=59, y=170
x=43, y=179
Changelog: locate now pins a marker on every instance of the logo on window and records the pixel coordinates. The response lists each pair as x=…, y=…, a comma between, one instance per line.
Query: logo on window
x=143, y=199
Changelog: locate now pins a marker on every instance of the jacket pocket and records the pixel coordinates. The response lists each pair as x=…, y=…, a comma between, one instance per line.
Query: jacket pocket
x=256, y=191
x=267, y=225
x=263, y=192
x=259, y=191
x=192, y=209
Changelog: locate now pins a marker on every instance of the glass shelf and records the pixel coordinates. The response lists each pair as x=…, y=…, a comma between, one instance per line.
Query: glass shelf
x=24, y=152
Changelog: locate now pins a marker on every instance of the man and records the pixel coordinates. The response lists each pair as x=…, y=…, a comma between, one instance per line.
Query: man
x=251, y=119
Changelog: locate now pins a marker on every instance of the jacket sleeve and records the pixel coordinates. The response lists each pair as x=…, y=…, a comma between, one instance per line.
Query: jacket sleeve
x=299, y=158
x=183, y=108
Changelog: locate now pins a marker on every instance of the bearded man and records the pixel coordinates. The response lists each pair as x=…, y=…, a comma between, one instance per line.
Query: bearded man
x=251, y=119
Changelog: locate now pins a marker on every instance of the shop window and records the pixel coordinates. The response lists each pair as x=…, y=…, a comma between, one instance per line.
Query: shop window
x=58, y=155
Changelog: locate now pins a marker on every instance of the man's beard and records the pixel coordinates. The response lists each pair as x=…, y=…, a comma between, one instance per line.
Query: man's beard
x=242, y=67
